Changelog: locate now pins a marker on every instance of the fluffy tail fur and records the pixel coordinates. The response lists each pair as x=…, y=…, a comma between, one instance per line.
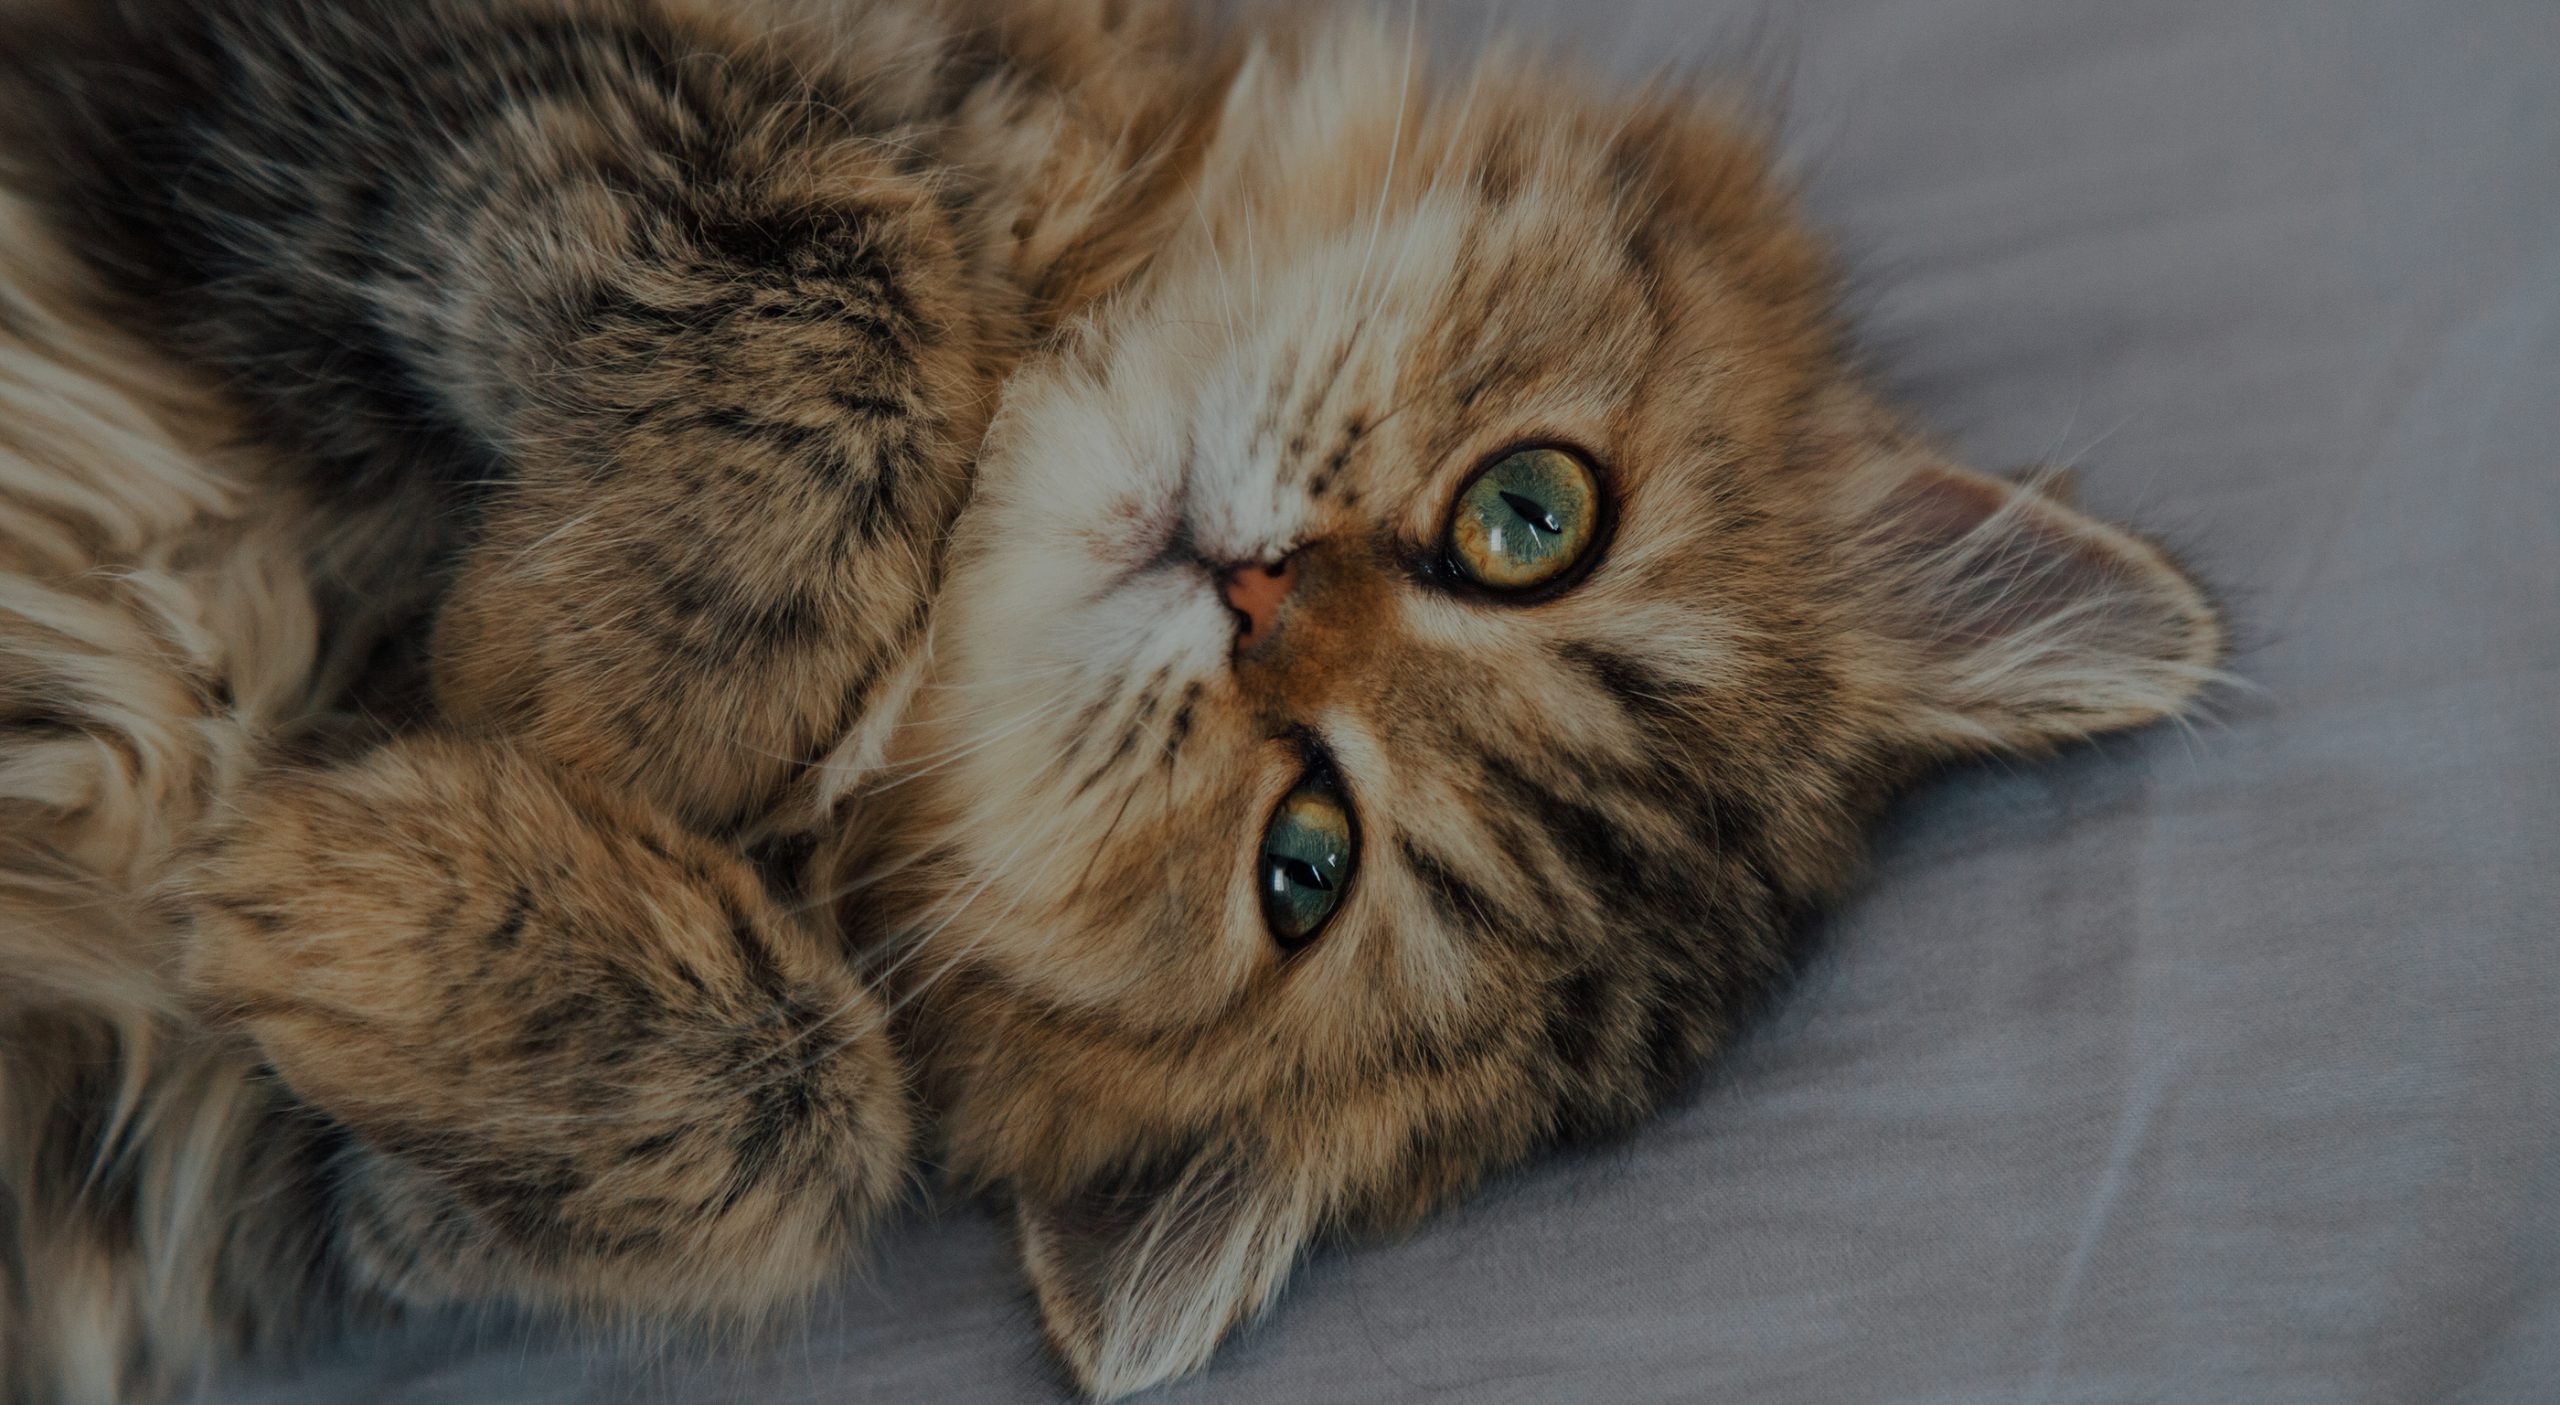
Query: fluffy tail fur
x=154, y=625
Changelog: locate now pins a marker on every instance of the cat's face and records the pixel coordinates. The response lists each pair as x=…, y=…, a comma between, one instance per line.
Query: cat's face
x=1410, y=664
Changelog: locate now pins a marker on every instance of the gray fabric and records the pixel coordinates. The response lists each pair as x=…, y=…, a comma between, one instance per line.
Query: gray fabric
x=2220, y=1066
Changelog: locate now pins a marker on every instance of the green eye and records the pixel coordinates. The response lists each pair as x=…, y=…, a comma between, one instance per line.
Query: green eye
x=1526, y=520
x=1307, y=856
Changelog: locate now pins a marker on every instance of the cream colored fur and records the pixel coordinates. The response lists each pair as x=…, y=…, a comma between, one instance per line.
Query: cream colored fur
x=141, y=585
x=1591, y=824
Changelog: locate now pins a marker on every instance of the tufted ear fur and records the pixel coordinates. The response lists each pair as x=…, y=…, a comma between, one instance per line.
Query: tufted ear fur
x=1140, y=1276
x=2009, y=619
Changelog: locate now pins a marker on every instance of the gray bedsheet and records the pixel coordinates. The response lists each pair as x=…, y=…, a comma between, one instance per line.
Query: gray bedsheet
x=2210, y=1066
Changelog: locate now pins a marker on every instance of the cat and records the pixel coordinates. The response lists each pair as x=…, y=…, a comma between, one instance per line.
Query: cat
x=656, y=612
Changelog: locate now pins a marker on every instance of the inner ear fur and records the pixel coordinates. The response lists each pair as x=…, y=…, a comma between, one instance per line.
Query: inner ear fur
x=1140, y=1275
x=2004, y=618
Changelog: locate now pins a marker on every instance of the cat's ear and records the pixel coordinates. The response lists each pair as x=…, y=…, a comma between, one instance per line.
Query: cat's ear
x=1140, y=1276
x=2005, y=617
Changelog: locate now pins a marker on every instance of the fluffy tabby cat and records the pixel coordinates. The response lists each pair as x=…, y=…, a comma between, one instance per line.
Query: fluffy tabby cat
x=662, y=607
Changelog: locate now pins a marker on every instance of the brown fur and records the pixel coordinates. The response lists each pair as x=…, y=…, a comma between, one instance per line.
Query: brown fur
x=818, y=430
x=1591, y=824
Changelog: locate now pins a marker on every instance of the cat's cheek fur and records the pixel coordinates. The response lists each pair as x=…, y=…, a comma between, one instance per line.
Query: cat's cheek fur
x=580, y=1059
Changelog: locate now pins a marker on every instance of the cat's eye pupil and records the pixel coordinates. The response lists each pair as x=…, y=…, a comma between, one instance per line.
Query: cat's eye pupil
x=1305, y=875
x=1525, y=521
x=1533, y=513
x=1307, y=854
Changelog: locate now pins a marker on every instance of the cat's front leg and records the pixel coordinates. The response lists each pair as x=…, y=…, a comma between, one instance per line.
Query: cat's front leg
x=583, y=1060
x=683, y=318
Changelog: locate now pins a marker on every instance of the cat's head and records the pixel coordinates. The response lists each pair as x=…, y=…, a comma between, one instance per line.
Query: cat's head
x=1413, y=660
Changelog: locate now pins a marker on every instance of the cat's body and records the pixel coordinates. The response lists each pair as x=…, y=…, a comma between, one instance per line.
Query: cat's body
x=166, y=1203
x=532, y=672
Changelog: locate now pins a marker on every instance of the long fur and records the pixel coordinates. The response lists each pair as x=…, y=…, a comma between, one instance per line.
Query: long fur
x=155, y=622
x=610, y=627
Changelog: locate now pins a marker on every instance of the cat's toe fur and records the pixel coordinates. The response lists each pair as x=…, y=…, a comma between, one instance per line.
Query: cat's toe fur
x=582, y=1059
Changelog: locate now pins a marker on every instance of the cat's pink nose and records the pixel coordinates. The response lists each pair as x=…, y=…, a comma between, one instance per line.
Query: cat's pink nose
x=1254, y=593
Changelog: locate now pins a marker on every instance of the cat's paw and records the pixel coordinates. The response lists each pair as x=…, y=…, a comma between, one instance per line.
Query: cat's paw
x=584, y=1060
